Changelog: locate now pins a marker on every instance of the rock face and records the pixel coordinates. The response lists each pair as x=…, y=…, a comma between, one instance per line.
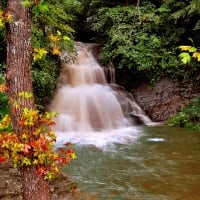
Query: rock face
x=162, y=100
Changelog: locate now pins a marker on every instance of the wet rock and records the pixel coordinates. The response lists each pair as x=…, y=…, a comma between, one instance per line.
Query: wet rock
x=162, y=100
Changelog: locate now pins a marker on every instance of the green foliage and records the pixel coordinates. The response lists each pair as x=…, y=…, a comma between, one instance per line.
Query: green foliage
x=131, y=39
x=144, y=39
x=3, y=99
x=54, y=17
x=189, y=117
x=45, y=74
x=3, y=105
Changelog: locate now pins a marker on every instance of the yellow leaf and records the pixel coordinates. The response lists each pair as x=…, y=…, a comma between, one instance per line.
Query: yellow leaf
x=39, y=53
x=56, y=51
x=73, y=156
x=185, y=48
x=25, y=94
x=54, y=38
x=196, y=55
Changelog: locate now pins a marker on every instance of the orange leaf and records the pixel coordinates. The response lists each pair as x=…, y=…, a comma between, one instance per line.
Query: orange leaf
x=56, y=51
x=3, y=87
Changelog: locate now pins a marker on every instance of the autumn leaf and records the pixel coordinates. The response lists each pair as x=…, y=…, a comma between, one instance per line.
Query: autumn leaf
x=54, y=38
x=3, y=159
x=26, y=95
x=73, y=156
x=192, y=49
x=185, y=48
x=56, y=51
x=196, y=55
x=27, y=148
x=7, y=17
x=43, y=146
x=3, y=87
x=39, y=53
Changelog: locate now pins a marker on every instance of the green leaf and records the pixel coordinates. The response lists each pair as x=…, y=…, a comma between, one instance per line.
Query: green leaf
x=193, y=49
x=26, y=161
x=185, y=57
x=26, y=3
x=36, y=11
x=66, y=38
x=43, y=7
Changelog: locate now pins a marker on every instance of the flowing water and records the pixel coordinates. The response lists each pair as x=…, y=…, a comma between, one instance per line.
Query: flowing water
x=162, y=164
x=91, y=111
x=117, y=159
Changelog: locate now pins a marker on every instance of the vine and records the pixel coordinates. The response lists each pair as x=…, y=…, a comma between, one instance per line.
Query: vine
x=33, y=148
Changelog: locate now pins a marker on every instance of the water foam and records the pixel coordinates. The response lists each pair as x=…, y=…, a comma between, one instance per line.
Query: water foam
x=100, y=139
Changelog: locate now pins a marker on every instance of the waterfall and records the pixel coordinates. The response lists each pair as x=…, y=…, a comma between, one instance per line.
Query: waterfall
x=89, y=109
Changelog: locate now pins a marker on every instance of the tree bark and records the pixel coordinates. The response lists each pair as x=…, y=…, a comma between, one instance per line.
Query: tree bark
x=138, y=3
x=18, y=78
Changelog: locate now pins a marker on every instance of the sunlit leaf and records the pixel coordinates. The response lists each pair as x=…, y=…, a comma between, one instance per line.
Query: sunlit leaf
x=196, y=55
x=185, y=57
x=54, y=38
x=56, y=51
x=1, y=23
x=25, y=94
x=66, y=38
x=193, y=49
x=59, y=33
x=39, y=53
x=185, y=48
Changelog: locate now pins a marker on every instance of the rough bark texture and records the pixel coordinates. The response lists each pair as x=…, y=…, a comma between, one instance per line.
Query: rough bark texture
x=18, y=75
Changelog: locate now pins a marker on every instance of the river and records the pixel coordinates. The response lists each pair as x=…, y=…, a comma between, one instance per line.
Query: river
x=162, y=163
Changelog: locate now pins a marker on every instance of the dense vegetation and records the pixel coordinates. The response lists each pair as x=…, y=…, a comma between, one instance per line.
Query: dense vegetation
x=142, y=40
x=189, y=117
x=140, y=37
x=45, y=71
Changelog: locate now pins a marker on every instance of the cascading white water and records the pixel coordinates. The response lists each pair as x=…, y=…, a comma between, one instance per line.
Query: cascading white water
x=89, y=110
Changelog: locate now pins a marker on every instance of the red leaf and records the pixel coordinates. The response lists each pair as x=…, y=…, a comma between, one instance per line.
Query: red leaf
x=3, y=159
x=43, y=146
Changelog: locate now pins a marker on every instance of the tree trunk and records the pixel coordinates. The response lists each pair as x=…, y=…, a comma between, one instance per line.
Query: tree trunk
x=138, y=3
x=18, y=77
